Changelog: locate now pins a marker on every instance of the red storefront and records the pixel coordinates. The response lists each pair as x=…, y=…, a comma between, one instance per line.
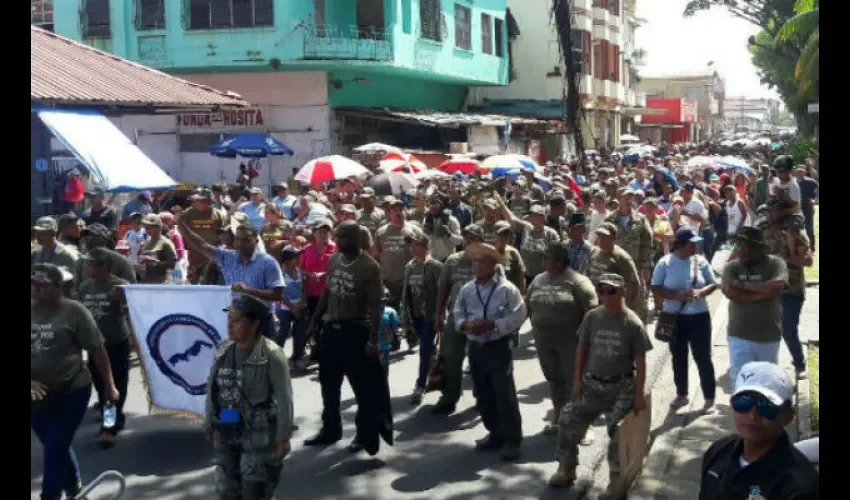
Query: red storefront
x=672, y=122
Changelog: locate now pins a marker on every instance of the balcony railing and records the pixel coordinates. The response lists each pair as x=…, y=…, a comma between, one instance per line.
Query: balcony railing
x=334, y=42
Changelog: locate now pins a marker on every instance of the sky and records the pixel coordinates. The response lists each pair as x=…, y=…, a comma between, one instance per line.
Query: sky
x=677, y=44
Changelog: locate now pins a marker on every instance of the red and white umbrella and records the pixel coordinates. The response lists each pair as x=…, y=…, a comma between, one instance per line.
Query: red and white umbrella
x=403, y=166
x=408, y=158
x=329, y=168
x=463, y=165
x=377, y=147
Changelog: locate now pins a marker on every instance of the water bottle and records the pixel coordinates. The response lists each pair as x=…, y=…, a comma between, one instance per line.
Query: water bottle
x=110, y=415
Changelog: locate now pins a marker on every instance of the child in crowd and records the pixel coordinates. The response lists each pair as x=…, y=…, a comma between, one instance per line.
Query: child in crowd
x=389, y=326
x=292, y=311
x=135, y=237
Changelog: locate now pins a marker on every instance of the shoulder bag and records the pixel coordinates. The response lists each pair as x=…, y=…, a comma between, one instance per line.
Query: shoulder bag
x=665, y=329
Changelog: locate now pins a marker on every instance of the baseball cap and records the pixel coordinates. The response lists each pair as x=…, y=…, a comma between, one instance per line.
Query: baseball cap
x=558, y=250
x=47, y=274
x=577, y=219
x=783, y=163
x=247, y=304
x=502, y=227
x=202, y=194
x=255, y=191
x=98, y=254
x=558, y=200
x=393, y=202
x=152, y=220
x=95, y=191
x=67, y=220
x=688, y=186
x=686, y=235
x=490, y=204
x=326, y=223
x=46, y=223
x=607, y=229
x=537, y=210
x=612, y=279
x=146, y=195
x=289, y=252
x=473, y=230
x=348, y=208
x=418, y=237
x=767, y=379
x=367, y=193
x=625, y=191
x=97, y=229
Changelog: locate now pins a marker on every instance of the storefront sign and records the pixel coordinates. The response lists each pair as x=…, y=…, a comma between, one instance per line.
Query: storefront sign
x=249, y=118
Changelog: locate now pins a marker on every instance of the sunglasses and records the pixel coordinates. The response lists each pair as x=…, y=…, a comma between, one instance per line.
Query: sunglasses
x=607, y=290
x=744, y=402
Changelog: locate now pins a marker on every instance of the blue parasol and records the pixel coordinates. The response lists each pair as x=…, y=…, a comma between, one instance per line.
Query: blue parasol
x=250, y=145
x=512, y=174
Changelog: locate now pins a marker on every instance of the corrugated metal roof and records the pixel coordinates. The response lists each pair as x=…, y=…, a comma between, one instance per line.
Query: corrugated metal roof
x=448, y=120
x=552, y=109
x=63, y=71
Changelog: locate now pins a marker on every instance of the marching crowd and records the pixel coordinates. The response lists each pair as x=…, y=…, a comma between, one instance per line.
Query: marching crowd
x=590, y=255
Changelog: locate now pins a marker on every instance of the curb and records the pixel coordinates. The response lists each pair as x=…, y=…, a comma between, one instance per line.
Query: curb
x=804, y=410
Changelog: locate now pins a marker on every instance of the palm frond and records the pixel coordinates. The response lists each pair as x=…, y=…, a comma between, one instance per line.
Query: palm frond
x=805, y=5
x=799, y=26
x=808, y=68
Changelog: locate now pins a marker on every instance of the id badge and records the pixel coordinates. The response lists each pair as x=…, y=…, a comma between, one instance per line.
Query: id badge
x=230, y=416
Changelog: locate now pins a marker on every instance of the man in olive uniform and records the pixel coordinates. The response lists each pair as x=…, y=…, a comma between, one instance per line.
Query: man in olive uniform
x=457, y=271
x=634, y=235
x=487, y=224
x=393, y=250
x=205, y=220
x=580, y=249
x=784, y=235
x=99, y=236
x=560, y=211
x=248, y=411
x=610, y=373
x=49, y=250
x=519, y=203
x=608, y=257
x=370, y=216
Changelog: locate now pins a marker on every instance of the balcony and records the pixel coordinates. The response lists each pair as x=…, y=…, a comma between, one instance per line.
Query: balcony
x=334, y=43
x=630, y=98
x=619, y=92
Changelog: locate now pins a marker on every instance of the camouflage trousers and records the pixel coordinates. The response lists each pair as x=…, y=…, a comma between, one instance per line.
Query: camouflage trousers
x=613, y=399
x=557, y=361
x=246, y=463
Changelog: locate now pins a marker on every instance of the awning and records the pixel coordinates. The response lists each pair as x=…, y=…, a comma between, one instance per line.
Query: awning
x=113, y=161
x=443, y=119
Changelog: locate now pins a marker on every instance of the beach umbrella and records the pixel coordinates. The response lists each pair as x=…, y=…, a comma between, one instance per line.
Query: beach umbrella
x=402, y=166
x=460, y=165
x=329, y=168
x=250, y=145
x=432, y=173
x=504, y=161
x=377, y=147
x=393, y=183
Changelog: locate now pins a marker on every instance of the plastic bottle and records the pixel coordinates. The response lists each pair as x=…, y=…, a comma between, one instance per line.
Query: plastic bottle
x=110, y=416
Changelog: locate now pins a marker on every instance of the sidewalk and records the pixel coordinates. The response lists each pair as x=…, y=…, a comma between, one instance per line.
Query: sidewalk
x=672, y=468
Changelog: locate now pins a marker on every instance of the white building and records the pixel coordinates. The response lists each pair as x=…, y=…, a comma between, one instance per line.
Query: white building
x=751, y=114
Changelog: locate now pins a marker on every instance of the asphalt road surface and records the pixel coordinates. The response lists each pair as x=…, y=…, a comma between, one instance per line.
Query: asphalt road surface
x=168, y=459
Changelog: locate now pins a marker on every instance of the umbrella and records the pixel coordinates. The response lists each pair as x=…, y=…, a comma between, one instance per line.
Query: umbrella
x=629, y=138
x=591, y=152
x=737, y=163
x=377, y=147
x=432, y=173
x=512, y=174
x=250, y=145
x=527, y=161
x=401, y=166
x=392, y=183
x=329, y=168
x=503, y=161
x=465, y=166
x=635, y=154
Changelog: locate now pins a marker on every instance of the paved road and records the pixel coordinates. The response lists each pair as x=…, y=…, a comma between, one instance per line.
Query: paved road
x=168, y=459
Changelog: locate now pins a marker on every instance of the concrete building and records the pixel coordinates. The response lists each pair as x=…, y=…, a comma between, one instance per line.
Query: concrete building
x=603, y=35
x=673, y=120
x=707, y=88
x=751, y=114
x=322, y=75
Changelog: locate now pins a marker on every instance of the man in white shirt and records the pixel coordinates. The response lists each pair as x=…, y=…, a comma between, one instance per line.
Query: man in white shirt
x=785, y=181
x=693, y=214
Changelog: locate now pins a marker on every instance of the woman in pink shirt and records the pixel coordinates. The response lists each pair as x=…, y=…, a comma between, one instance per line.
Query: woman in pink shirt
x=314, y=265
x=169, y=225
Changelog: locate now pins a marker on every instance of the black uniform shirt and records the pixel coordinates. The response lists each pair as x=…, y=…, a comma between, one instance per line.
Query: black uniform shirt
x=782, y=474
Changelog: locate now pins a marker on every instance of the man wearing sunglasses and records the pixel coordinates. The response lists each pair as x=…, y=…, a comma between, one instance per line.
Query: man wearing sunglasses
x=610, y=371
x=760, y=462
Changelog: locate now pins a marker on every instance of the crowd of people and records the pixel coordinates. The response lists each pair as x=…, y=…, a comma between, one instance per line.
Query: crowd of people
x=591, y=255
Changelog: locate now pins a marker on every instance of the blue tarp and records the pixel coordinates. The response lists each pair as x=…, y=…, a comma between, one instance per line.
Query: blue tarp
x=113, y=161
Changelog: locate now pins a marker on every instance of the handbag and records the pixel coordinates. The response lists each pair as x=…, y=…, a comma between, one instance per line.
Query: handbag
x=665, y=329
x=437, y=373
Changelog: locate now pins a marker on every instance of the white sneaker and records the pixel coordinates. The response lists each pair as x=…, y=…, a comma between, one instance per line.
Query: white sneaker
x=802, y=375
x=589, y=437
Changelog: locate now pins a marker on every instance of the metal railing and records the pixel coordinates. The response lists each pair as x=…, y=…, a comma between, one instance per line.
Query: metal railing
x=110, y=474
x=335, y=42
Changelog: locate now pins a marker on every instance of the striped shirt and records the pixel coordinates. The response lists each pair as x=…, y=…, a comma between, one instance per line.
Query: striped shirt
x=261, y=271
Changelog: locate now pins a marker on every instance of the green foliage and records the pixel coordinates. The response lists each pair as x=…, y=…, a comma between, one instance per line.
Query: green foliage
x=799, y=148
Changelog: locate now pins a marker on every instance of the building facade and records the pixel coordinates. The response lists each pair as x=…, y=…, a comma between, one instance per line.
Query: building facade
x=672, y=121
x=305, y=65
x=706, y=88
x=751, y=114
x=603, y=41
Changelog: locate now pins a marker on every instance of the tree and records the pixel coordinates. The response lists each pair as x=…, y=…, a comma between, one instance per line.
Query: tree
x=804, y=29
x=763, y=13
x=562, y=17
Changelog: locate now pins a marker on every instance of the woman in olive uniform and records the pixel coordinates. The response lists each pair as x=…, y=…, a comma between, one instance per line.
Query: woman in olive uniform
x=60, y=382
x=557, y=301
x=249, y=406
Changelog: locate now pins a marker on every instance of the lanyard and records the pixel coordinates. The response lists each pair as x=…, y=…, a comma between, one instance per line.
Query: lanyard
x=484, y=303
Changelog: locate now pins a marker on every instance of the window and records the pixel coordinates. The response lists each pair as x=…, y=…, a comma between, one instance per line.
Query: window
x=41, y=12
x=499, y=36
x=463, y=27
x=218, y=14
x=198, y=143
x=614, y=7
x=96, y=19
x=597, y=60
x=486, y=34
x=406, y=16
x=616, y=63
x=150, y=14
x=430, y=18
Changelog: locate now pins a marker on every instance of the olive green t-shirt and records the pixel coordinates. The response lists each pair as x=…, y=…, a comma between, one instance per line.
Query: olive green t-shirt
x=100, y=299
x=271, y=234
x=354, y=289
x=514, y=266
x=57, y=338
x=457, y=271
x=489, y=229
x=558, y=303
x=205, y=225
x=61, y=255
x=756, y=321
x=421, y=280
x=393, y=250
x=777, y=239
x=120, y=267
x=617, y=262
x=162, y=249
x=614, y=341
x=372, y=220
x=534, y=245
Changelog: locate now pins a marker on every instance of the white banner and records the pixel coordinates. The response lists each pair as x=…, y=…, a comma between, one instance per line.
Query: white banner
x=178, y=328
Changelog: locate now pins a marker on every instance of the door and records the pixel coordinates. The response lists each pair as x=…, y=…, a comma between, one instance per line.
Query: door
x=370, y=19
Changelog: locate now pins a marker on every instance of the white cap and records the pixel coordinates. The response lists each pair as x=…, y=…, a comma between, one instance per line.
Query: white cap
x=767, y=379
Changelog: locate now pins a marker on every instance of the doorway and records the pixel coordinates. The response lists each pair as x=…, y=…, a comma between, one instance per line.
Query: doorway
x=371, y=22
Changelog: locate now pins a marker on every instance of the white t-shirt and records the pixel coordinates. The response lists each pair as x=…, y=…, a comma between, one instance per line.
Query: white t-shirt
x=791, y=188
x=135, y=240
x=697, y=208
x=596, y=220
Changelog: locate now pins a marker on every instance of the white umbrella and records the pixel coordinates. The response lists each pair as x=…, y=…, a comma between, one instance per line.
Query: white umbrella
x=432, y=173
x=329, y=168
x=629, y=138
x=394, y=165
x=377, y=147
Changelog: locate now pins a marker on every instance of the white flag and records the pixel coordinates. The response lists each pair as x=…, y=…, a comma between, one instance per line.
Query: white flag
x=178, y=328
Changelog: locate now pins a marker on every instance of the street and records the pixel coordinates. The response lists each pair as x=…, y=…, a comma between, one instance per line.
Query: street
x=168, y=459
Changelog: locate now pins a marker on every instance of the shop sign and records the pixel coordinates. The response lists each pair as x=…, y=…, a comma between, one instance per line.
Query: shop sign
x=248, y=118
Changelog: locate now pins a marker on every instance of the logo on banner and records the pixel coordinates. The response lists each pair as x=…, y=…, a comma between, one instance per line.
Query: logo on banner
x=183, y=347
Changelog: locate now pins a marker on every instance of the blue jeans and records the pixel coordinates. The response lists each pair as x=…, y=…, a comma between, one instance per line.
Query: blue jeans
x=55, y=427
x=743, y=351
x=694, y=331
x=427, y=333
x=707, y=246
x=792, y=306
x=297, y=328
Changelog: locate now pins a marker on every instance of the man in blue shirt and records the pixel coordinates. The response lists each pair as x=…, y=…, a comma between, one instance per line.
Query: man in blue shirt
x=255, y=209
x=284, y=200
x=459, y=209
x=809, y=192
x=142, y=205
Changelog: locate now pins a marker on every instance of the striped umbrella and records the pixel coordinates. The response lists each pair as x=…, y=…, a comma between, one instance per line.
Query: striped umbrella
x=397, y=165
x=329, y=168
x=504, y=161
x=460, y=165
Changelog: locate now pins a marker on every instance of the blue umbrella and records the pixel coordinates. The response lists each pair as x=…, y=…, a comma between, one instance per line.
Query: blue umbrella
x=512, y=174
x=250, y=145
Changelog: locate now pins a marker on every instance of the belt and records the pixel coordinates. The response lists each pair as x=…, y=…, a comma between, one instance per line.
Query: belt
x=611, y=380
